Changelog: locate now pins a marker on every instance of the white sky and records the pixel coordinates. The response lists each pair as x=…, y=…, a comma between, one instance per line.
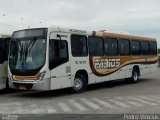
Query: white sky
x=137, y=17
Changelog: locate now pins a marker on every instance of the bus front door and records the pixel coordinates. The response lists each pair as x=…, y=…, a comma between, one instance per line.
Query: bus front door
x=59, y=62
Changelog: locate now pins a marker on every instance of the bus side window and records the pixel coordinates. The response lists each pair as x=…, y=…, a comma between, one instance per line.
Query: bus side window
x=135, y=47
x=95, y=46
x=79, y=45
x=110, y=46
x=145, y=48
x=58, y=53
x=153, y=48
x=123, y=47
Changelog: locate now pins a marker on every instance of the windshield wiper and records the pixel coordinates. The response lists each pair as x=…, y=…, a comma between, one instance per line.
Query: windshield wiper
x=20, y=48
x=24, y=49
x=28, y=47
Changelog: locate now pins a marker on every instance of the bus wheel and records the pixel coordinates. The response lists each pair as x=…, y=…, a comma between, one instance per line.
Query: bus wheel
x=79, y=84
x=135, y=76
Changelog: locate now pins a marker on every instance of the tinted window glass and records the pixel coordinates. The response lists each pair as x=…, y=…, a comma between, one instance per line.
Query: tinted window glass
x=110, y=46
x=4, y=48
x=95, y=46
x=123, y=47
x=58, y=53
x=144, y=48
x=153, y=48
x=135, y=47
x=79, y=45
x=1, y=57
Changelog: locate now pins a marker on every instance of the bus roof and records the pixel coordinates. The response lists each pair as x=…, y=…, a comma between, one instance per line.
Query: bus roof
x=103, y=34
x=69, y=30
x=121, y=36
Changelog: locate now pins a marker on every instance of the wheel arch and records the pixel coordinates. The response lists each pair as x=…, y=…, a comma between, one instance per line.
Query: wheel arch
x=137, y=68
x=84, y=73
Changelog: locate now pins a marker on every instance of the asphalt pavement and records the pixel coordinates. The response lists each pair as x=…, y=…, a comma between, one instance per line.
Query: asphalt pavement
x=109, y=100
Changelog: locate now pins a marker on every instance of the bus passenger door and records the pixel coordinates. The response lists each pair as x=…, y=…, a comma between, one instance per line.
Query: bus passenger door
x=59, y=63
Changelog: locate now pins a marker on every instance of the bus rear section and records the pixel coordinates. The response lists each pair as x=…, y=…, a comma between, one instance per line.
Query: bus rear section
x=4, y=48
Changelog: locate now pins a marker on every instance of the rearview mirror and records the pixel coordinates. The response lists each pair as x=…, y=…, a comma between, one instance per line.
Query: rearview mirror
x=61, y=46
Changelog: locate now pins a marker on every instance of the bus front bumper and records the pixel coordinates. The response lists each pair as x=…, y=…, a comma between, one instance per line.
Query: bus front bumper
x=30, y=85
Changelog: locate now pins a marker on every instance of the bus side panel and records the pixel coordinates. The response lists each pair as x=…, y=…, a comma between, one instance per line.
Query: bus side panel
x=154, y=65
x=106, y=78
x=59, y=78
x=82, y=64
x=144, y=69
x=119, y=74
x=111, y=67
x=124, y=72
x=128, y=71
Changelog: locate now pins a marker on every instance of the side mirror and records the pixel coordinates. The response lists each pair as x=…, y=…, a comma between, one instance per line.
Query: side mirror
x=60, y=40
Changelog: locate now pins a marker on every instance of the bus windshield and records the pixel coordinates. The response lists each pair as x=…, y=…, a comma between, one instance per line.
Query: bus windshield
x=27, y=54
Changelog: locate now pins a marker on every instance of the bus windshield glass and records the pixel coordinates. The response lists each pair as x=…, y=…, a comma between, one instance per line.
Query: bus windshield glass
x=27, y=53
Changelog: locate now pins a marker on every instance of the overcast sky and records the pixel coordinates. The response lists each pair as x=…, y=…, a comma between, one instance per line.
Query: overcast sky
x=137, y=17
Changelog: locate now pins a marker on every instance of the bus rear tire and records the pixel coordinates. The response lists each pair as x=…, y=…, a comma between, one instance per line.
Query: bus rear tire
x=135, y=76
x=79, y=84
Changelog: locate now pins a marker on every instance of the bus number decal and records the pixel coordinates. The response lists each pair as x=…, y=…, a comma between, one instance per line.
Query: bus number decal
x=80, y=62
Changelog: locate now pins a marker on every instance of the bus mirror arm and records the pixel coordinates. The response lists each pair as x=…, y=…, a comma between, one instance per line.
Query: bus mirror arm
x=59, y=36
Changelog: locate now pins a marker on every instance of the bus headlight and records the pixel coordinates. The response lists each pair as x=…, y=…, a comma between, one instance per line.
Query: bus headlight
x=42, y=75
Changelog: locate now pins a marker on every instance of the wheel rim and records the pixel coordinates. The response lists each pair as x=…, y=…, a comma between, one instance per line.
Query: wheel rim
x=78, y=84
x=135, y=76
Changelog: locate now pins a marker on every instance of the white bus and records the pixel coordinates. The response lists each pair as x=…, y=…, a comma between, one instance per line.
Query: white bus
x=54, y=58
x=4, y=47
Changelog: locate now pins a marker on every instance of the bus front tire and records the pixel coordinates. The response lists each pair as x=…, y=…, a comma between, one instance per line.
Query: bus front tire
x=79, y=84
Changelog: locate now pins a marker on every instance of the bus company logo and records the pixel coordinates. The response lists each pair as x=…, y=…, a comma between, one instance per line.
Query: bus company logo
x=78, y=31
x=106, y=63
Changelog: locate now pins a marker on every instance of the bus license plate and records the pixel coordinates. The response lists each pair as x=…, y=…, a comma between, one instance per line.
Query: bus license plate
x=22, y=87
